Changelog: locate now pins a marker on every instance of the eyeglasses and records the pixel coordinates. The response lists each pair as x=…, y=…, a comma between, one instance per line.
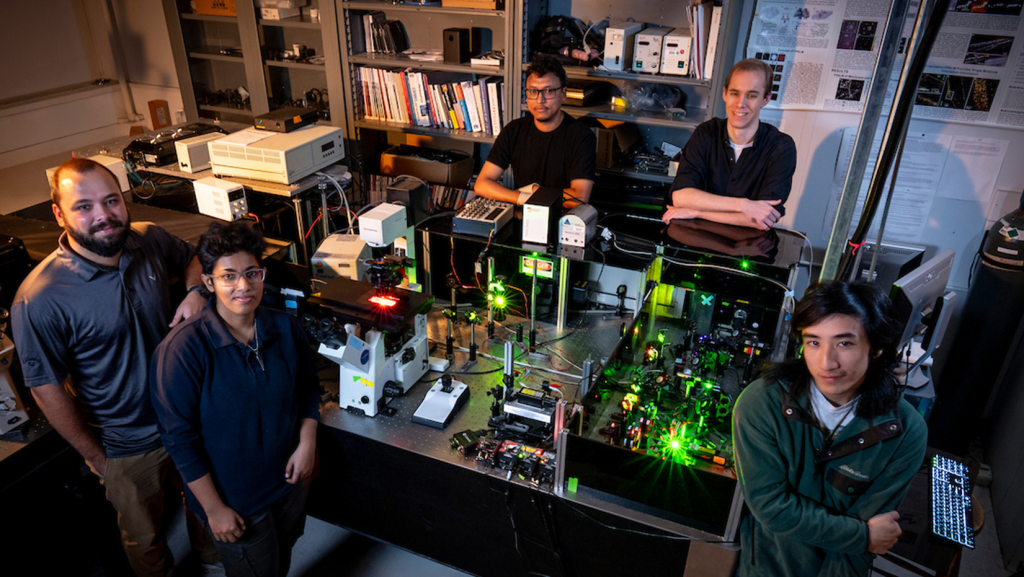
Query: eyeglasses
x=230, y=279
x=549, y=93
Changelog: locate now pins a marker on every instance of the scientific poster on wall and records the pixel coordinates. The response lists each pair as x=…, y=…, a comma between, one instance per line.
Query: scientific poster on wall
x=976, y=70
x=823, y=53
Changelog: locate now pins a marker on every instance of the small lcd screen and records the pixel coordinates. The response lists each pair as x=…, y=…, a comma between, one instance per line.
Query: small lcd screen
x=327, y=146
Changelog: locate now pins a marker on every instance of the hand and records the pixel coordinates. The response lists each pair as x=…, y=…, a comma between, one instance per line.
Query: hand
x=193, y=303
x=300, y=464
x=757, y=246
x=761, y=213
x=225, y=524
x=883, y=532
x=674, y=213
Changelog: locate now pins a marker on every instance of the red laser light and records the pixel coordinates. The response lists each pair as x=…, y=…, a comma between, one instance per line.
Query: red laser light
x=383, y=301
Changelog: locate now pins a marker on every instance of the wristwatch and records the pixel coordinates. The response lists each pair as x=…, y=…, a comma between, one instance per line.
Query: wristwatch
x=199, y=288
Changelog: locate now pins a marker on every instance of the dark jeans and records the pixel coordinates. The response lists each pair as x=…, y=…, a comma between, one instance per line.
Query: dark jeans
x=265, y=549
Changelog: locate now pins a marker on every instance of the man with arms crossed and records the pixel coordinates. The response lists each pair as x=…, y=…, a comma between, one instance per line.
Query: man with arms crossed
x=545, y=148
x=736, y=170
x=86, y=321
x=826, y=445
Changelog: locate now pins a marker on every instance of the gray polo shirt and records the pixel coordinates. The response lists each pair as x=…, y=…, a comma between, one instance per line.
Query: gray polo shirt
x=94, y=329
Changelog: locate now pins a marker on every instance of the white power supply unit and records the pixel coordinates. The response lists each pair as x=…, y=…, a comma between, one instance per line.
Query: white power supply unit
x=578, y=225
x=618, y=47
x=675, y=53
x=193, y=154
x=220, y=198
x=647, y=52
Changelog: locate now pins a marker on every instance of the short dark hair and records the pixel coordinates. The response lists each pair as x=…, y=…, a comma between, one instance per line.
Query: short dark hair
x=78, y=166
x=874, y=311
x=542, y=65
x=228, y=238
x=753, y=65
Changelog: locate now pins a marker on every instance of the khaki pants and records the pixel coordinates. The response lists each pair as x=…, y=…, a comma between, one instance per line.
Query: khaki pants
x=146, y=491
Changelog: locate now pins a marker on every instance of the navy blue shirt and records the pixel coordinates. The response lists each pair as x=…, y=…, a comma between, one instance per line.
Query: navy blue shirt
x=93, y=329
x=763, y=172
x=221, y=412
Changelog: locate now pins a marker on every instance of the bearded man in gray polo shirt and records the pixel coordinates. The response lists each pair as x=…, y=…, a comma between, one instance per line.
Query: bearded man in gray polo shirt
x=86, y=321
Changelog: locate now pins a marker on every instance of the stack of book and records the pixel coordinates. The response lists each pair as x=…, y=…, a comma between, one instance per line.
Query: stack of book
x=705, y=20
x=442, y=197
x=434, y=99
x=382, y=35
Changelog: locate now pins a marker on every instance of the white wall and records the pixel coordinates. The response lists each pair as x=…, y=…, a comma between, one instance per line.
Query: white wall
x=64, y=42
x=952, y=223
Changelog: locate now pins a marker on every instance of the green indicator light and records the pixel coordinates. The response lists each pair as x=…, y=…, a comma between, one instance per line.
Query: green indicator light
x=661, y=337
x=674, y=444
x=571, y=485
x=499, y=301
x=725, y=304
x=744, y=264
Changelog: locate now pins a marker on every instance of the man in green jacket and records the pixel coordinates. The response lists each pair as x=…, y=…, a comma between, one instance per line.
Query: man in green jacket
x=825, y=445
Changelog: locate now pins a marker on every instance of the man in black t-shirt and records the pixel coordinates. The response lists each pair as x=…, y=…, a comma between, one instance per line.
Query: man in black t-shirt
x=737, y=170
x=545, y=148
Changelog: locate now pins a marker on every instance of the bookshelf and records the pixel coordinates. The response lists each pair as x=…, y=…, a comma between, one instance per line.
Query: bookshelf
x=424, y=26
x=220, y=53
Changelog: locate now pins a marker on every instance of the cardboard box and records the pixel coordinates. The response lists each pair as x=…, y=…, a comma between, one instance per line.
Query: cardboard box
x=455, y=173
x=614, y=142
x=216, y=7
x=476, y=4
x=160, y=114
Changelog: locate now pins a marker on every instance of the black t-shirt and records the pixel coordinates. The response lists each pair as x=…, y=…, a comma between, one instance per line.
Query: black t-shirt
x=551, y=159
x=764, y=171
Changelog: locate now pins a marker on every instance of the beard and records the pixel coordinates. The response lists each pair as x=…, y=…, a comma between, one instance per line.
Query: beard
x=104, y=247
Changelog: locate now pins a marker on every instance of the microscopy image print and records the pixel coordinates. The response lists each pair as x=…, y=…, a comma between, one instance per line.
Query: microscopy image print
x=848, y=34
x=929, y=90
x=849, y=89
x=958, y=89
x=986, y=50
x=982, y=94
x=1003, y=7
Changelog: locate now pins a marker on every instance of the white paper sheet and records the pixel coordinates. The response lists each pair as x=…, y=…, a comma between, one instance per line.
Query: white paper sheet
x=973, y=167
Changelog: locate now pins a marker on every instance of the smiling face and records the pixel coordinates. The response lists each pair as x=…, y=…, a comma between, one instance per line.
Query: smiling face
x=744, y=97
x=837, y=353
x=237, y=297
x=92, y=211
x=545, y=108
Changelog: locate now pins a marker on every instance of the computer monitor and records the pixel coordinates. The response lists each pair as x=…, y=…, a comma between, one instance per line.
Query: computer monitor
x=915, y=295
x=894, y=261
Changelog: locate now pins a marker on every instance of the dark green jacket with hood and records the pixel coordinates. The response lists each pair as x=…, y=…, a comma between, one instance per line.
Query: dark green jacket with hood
x=810, y=504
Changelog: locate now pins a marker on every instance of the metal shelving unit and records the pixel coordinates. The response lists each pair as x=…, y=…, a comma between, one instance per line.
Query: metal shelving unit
x=195, y=39
x=702, y=96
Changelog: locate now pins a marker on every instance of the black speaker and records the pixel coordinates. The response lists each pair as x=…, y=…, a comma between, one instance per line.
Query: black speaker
x=456, y=45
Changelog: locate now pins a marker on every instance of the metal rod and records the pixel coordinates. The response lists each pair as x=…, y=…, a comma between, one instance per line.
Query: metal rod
x=324, y=215
x=563, y=292
x=906, y=95
x=873, y=103
x=533, y=308
x=303, y=251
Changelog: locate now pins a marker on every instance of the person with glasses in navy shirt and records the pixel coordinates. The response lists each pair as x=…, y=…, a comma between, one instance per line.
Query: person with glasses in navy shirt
x=236, y=396
x=547, y=147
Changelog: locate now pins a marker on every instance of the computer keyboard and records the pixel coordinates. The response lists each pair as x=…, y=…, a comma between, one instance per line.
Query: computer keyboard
x=482, y=217
x=952, y=517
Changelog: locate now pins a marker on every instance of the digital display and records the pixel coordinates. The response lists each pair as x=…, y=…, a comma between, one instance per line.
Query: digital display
x=327, y=146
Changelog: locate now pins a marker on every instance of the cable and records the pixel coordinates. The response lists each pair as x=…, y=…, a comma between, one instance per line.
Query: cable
x=341, y=193
x=624, y=530
x=727, y=269
x=807, y=241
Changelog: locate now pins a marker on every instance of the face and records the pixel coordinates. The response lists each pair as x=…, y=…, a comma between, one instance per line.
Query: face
x=92, y=211
x=837, y=353
x=235, y=294
x=545, y=108
x=744, y=98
